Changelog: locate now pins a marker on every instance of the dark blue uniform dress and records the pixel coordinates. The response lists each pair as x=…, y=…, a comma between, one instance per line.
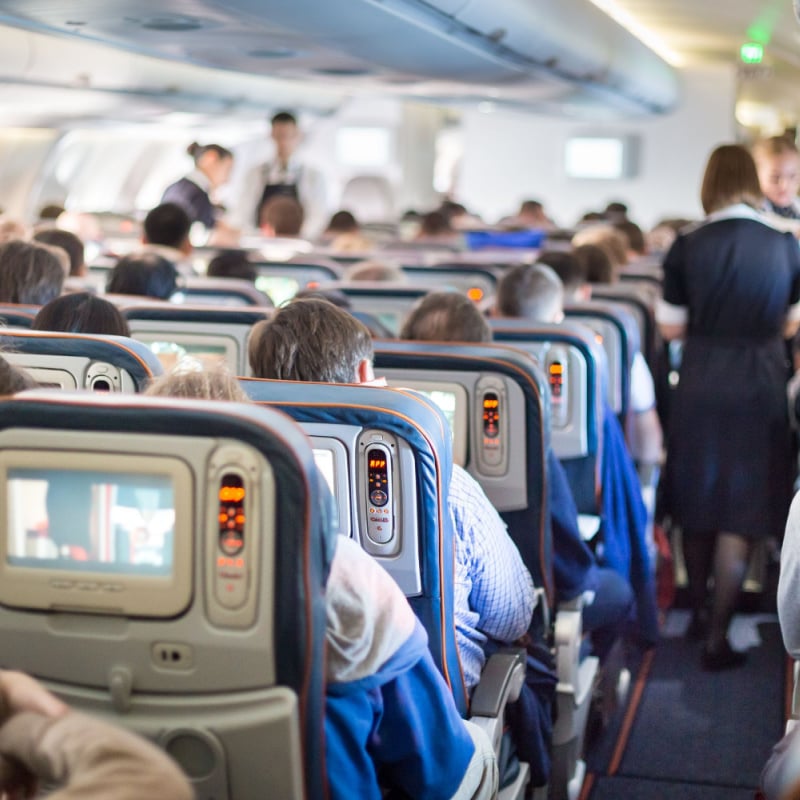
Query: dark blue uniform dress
x=193, y=199
x=729, y=451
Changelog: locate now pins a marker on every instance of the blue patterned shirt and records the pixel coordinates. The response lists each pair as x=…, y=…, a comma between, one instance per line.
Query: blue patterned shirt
x=494, y=594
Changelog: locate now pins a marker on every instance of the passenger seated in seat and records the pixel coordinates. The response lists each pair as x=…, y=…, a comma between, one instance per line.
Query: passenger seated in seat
x=441, y=316
x=42, y=740
x=29, y=273
x=166, y=234
x=535, y=292
x=13, y=380
x=389, y=714
x=643, y=428
x=282, y=216
x=144, y=274
x=69, y=243
x=312, y=340
x=232, y=264
x=81, y=312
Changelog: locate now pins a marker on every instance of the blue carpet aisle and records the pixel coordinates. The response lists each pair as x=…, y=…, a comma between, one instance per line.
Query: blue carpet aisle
x=687, y=733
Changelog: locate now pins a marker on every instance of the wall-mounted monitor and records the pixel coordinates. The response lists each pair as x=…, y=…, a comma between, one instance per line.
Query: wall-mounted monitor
x=451, y=398
x=100, y=533
x=172, y=348
x=601, y=157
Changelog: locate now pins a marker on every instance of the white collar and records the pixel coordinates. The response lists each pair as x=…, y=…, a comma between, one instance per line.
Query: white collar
x=737, y=211
x=199, y=179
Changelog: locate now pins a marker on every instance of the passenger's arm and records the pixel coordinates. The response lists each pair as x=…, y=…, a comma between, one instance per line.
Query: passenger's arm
x=502, y=591
x=89, y=759
x=789, y=582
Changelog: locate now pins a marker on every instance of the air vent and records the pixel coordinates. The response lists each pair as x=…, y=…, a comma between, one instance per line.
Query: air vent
x=344, y=72
x=273, y=52
x=173, y=24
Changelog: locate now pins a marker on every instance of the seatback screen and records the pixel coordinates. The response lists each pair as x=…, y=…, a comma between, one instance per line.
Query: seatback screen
x=170, y=354
x=87, y=521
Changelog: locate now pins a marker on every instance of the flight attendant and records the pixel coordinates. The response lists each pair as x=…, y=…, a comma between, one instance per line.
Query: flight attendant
x=212, y=167
x=285, y=176
x=731, y=291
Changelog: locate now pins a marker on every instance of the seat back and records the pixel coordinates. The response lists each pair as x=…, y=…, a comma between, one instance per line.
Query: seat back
x=640, y=301
x=174, y=332
x=575, y=365
x=13, y=315
x=163, y=566
x=81, y=361
x=220, y=292
x=389, y=302
x=616, y=327
x=281, y=281
x=498, y=403
x=387, y=458
x=476, y=282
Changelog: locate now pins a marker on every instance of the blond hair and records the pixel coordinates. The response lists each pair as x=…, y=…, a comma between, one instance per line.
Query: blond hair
x=611, y=241
x=212, y=383
x=773, y=146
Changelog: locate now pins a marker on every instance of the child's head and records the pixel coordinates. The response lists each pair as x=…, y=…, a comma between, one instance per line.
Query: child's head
x=778, y=165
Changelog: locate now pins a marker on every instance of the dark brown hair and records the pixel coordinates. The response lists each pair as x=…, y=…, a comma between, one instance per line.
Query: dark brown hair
x=309, y=340
x=730, y=178
x=29, y=273
x=446, y=317
x=284, y=215
x=81, y=313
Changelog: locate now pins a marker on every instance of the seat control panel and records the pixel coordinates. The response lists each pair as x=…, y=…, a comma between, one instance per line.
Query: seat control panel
x=491, y=427
x=380, y=494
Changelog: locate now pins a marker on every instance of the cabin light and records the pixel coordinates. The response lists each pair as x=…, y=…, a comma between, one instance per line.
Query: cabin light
x=751, y=53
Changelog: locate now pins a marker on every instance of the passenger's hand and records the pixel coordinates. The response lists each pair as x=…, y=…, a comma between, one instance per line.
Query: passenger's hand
x=20, y=692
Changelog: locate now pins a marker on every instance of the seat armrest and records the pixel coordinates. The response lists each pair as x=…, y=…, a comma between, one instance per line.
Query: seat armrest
x=501, y=682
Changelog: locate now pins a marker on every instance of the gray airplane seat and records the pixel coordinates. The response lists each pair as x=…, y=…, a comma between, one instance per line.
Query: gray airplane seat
x=233, y=292
x=616, y=329
x=202, y=333
x=389, y=302
x=498, y=403
x=281, y=281
x=387, y=458
x=477, y=282
x=575, y=367
x=163, y=566
x=13, y=315
x=640, y=301
x=80, y=360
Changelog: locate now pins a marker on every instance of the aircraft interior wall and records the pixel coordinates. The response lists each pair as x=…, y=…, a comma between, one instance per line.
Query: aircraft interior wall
x=510, y=156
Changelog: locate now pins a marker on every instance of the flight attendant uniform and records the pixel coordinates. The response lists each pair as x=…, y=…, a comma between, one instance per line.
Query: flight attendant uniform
x=732, y=280
x=192, y=195
x=281, y=181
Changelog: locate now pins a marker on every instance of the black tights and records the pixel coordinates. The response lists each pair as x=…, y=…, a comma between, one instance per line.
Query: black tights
x=728, y=553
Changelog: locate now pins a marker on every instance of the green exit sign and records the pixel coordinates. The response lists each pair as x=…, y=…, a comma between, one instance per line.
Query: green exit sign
x=751, y=53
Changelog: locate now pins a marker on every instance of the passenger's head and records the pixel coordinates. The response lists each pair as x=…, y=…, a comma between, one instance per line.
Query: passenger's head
x=530, y=291
x=570, y=270
x=81, y=312
x=311, y=340
x=375, y=271
x=778, y=168
x=596, y=264
x=213, y=160
x=531, y=212
x=446, y=317
x=730, y=178
x=144, y=274
x=211, y=383
x=29, y=273
x=607, y=238
x=634, y=237
x=69, y=243
x=616, y=211
x=285, y=134
x=282, y=216
x=435, y=225
x=51, y=212
x=342, y=222
x=335, y=296
x=12, y=230
x=13, y=380
x=232, y=264
x=168, y=225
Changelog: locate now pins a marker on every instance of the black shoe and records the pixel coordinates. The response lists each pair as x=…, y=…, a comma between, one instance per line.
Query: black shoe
x=723, y=657
x=698, y=626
